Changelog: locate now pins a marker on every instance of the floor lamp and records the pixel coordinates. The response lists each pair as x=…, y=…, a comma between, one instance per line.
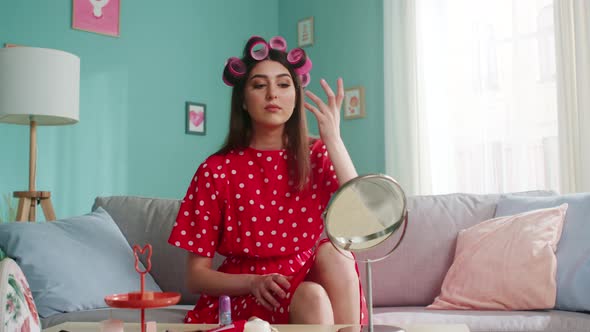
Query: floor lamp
x=38, y=87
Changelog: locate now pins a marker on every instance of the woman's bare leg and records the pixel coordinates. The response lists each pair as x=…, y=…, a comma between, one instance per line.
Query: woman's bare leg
x=337, y=275
x=310, y=305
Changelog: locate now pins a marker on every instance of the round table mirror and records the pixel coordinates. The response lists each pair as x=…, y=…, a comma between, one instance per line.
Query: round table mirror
x=360, y=216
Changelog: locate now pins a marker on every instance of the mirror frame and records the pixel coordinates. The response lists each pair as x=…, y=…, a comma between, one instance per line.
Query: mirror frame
x=389, y=231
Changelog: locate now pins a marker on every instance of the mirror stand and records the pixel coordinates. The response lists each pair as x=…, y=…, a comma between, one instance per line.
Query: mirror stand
x=370, y=327
x=363, y=213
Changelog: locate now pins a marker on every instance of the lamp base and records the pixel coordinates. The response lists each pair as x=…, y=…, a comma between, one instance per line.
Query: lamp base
x=27, y=203
x=376, y=328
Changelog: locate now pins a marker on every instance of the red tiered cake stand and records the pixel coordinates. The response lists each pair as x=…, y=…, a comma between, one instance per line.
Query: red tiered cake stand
x=142, y=299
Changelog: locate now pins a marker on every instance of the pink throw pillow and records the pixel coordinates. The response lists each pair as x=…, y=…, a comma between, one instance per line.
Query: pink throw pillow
x=506, y=263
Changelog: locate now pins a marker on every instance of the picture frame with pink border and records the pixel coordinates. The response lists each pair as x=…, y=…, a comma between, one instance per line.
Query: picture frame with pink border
x=195, y=118
x=98, y=16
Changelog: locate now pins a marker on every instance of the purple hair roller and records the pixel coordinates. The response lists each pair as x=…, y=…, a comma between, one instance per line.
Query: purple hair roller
x=257, y=48
x=296, y=57
x=278, y=43
x=236, y=67
x=306, y=68
x=233, y=71
x=305, y=79
x=300, y=61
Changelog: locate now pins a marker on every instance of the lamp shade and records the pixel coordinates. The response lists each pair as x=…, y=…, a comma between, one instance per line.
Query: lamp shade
x=39, y=84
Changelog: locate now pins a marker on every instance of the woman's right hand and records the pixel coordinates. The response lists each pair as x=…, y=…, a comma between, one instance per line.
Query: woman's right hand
x=267, y=287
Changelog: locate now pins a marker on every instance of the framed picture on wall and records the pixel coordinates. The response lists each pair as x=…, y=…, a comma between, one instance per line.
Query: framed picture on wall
x=354, y=103
x=98, y=16
x=195, y=118
x=305, y=32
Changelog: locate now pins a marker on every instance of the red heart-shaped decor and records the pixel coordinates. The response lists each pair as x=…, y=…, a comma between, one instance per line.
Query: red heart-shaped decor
x=197, y=117
x=137, y=250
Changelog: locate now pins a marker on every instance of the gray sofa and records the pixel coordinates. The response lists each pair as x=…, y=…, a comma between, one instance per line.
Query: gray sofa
x=403, y=284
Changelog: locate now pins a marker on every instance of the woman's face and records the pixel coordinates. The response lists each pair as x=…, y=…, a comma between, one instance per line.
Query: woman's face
x=269, y=95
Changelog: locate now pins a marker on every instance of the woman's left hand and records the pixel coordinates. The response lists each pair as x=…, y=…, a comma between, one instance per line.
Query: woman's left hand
x=327, y=115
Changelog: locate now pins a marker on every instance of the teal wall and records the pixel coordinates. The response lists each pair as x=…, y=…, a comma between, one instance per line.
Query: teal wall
x=130, y=139
x=133, y=89
x=348, y=43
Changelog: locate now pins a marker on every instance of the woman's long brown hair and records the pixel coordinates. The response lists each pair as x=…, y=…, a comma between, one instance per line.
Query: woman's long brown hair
x=295, y=137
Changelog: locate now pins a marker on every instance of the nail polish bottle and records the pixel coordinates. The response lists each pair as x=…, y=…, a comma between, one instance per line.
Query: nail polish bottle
x=224, y=310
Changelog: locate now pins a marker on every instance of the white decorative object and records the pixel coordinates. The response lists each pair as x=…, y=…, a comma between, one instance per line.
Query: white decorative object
x=111, y=325
x=257, y=325
x=97, y=5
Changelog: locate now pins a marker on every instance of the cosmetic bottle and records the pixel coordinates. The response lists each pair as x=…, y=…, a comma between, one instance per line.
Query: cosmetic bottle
x=224, y=310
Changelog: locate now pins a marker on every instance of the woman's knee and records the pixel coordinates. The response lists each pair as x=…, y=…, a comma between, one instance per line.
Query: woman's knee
x=308, y=293
x=331, y=261
x=311, y=305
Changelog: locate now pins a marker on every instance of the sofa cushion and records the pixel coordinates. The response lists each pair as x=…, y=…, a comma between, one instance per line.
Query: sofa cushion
x=150, y=220
x=72, y=264
x=573, y=251
x=414, y=273
x=506, y=263
x=487, y=321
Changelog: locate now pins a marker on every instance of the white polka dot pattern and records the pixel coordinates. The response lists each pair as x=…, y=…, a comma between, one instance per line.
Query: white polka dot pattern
x=242, y=205
x=224, y=208
x=295, y=266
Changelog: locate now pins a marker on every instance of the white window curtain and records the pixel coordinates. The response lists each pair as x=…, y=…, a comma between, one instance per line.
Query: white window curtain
x=404, y=151
x=471, y=97
x=572, y=19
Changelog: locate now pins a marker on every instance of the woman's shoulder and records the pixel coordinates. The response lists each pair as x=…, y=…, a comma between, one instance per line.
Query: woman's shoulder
x=219, y=160
x=214, y=162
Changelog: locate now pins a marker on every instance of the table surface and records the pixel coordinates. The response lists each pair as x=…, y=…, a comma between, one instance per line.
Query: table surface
x=129, y=327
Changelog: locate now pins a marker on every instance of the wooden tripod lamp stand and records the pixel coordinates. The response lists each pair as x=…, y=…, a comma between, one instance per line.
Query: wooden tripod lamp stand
x=38, y=86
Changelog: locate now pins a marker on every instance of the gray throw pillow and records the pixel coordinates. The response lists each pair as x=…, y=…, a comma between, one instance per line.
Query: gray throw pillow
x=72, y=264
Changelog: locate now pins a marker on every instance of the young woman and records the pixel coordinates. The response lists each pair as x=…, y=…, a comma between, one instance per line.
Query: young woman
x=258, y=201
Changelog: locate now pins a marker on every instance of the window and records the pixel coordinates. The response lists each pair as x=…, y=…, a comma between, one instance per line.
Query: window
x=487, y=94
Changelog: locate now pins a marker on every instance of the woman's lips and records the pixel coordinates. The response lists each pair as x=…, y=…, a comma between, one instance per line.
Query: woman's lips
x=272, y=108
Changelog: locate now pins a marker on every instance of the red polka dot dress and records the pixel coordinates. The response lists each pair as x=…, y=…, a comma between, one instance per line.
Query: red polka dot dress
x=243, y=206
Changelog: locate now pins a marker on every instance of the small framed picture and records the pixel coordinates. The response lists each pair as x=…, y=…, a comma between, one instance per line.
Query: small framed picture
x=195, y=118
x=305, y=32
x=354, y=103
x=98, y=16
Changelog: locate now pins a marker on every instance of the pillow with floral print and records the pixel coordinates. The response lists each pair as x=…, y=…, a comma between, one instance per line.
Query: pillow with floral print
x=16, y=301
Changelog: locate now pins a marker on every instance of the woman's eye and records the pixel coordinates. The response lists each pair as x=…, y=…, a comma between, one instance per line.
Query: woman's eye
x=284, y=85
x=259, y=86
